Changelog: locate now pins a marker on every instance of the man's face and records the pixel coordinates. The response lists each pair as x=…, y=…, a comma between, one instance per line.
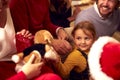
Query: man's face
x=106, y=7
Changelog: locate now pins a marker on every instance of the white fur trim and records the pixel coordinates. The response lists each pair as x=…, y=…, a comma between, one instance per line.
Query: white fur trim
x=94, y=56
x=15, y=58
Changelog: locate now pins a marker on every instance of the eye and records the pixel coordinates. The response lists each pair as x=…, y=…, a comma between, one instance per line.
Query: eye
x=87, y=38
x=78, y=38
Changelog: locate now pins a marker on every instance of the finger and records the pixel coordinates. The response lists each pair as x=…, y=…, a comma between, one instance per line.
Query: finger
x=26, y=32
x=31, y=60
x=23, y=31
x=29, y=35
x=41, y=63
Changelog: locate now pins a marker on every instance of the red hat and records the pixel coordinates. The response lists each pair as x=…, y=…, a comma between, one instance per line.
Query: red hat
x=104, y=59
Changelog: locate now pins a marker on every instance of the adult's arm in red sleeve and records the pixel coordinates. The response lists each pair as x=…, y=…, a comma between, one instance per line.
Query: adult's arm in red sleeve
x=18, y=76
x=19, y=14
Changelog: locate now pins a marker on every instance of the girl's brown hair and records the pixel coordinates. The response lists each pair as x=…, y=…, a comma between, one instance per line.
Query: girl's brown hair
x=85, y=25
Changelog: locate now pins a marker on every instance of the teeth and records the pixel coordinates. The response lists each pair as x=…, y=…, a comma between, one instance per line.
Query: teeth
x=105, y=8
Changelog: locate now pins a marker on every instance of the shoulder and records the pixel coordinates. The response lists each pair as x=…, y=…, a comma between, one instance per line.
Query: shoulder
x=84, y=14
x=75, y=53
x=86, y=11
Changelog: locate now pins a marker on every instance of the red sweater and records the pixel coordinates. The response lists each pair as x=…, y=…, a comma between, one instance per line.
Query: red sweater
x=32, y=15
x=19, y=76
x=47, y=74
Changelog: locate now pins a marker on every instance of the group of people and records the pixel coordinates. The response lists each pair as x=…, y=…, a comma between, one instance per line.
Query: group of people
x=26, y=17
x=29, y=20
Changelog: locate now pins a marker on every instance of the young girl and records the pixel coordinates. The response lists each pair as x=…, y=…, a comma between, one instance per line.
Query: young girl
x=75, y=66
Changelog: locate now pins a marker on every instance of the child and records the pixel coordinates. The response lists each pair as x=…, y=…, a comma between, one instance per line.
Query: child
x=75, y=65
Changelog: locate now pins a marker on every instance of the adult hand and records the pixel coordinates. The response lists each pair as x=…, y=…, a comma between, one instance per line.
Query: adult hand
x=31, y=70
x=61, y=46
x=62, y=34
x=76, y=11
x=25, y=33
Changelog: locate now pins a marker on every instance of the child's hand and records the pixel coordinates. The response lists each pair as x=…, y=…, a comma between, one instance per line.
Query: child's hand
x=31, y=70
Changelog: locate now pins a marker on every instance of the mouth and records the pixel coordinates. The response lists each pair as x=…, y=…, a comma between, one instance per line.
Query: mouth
x=83, y=46
x=105, y=8
x=105, y=11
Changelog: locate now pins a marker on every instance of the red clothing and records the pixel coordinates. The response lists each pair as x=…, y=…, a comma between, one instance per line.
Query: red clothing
x=32, y=15
x=19, y=76
x=47, y=74
x=7, y=69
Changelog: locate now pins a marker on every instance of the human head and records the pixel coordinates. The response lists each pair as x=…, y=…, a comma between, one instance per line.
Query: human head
x=106, y=7
x=84, y=35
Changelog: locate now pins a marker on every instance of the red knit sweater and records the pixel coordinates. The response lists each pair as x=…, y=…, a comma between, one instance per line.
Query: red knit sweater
x=19, y=76
x=32, y=15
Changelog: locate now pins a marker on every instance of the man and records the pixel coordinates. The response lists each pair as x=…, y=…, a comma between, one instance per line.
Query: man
x=104, y=14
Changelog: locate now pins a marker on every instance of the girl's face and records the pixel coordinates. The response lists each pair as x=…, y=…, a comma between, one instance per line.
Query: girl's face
x=83, y=41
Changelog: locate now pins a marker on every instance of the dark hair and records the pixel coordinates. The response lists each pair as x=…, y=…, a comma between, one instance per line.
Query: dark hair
x=59, y=6
x=85, y=25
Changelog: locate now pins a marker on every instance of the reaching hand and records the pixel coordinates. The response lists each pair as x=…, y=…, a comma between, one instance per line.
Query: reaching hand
x=25, y=33
x=31, y=70
x=62, y=34
x=61, y=46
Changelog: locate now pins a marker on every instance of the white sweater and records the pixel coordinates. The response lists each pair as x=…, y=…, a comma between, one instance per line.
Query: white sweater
x=7, y=37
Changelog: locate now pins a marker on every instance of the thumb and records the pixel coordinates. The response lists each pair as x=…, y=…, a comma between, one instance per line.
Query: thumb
x=31, y=59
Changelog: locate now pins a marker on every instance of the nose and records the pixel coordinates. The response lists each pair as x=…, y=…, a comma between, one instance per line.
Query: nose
x=105, y=2
x=82, y=41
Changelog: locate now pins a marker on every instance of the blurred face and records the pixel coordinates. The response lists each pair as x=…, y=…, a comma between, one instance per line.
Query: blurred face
x=83, y=41
x=106, y=7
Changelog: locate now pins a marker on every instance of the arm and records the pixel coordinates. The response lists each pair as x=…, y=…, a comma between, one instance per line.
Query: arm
x=61, y=34
x=74, y=59
x=29, y=70
x=18, y=76
x=19, y=14
x=47, y=22
x=75, y=13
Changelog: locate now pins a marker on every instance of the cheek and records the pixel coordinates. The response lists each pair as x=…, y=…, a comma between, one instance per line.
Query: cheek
x=112, y=7
x=90, y=43
x=76, y=42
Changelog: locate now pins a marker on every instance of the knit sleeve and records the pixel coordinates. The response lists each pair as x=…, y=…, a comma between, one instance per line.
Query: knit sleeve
x=75, y=61
x=18, y=76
